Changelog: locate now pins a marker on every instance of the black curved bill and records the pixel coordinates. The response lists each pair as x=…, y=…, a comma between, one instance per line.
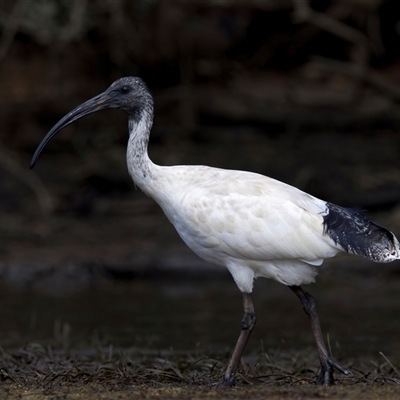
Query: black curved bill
x=100, y=102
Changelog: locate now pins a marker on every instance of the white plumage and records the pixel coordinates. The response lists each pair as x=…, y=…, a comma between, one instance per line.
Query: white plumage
x=253, y=225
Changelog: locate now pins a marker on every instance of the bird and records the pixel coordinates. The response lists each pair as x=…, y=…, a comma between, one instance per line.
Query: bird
x=251, y=224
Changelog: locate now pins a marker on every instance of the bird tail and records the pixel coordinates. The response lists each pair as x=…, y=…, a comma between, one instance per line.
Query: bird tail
x=358, y=235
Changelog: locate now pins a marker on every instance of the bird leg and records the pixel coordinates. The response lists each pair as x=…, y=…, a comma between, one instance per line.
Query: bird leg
x=248, y=322
x=327, y=364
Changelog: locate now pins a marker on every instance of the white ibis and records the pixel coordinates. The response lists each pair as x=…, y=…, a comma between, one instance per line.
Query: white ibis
x=253, y=225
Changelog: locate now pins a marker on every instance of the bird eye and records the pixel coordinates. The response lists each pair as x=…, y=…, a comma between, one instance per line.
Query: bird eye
x=125, y=89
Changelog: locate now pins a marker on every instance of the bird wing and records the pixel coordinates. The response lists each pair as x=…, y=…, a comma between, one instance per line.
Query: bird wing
x=223, y=213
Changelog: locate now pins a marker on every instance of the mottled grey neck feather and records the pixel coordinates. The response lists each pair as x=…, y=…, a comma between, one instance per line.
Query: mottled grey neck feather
x=139, y=125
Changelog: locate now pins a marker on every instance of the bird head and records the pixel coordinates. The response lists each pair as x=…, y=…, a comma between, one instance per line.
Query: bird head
x=129, y=94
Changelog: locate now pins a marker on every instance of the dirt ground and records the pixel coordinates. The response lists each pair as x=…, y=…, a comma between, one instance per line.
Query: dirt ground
x=204, y=392
x=43, y=373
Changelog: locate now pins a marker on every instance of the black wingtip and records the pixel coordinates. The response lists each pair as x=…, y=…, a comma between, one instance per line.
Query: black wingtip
x=358, y=235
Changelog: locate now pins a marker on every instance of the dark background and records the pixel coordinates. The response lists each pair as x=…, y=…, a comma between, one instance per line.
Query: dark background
x=96, y=287
x=305, y=92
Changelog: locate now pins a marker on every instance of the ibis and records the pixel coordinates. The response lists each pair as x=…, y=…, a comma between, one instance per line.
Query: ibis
x=253, y=225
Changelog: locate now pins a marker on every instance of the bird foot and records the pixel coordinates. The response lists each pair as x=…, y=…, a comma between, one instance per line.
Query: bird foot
x=227, y=382
x=326, y=374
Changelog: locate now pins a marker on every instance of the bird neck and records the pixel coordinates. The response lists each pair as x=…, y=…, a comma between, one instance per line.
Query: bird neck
x=139, y=163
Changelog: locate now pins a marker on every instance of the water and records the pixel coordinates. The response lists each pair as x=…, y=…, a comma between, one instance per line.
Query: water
x=358, y=306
